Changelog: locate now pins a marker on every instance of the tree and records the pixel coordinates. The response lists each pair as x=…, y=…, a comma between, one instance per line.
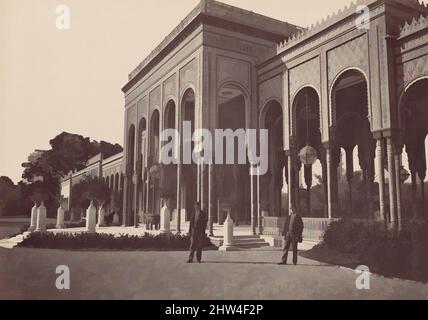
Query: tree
x=9, y=194
x=87, y=190
x=68, y=152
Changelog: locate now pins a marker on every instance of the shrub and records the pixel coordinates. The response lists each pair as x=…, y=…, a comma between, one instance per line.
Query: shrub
x=73, y=241
x=384, y=250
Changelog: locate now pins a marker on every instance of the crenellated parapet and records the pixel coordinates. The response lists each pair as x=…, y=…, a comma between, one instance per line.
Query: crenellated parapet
x=323, y=24
x=341, y=15
x=416, y=25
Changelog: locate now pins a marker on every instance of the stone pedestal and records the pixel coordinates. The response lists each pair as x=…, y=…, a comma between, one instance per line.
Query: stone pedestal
x=60, y=218
x=33, y=222
x=183, y=215
x=165, y=218
x=41, y=218
x=73, y=216
x=101, y=217
x=91, y=216
x=228, y=243
x=115, y=218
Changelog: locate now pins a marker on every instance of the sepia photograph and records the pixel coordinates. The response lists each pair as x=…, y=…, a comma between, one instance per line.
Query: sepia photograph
x=213, y=156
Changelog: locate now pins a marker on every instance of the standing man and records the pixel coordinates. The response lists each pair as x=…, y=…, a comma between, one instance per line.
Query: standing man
x=292, y=232
x=198, y=225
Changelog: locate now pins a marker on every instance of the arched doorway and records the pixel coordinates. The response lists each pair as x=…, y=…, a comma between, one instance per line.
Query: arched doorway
x=130, y=163
x=154, y=166
x=189, y=170
x=353, y=191
x=271, y=192
x=233, y=182
x=141, y=169
x=169, y=172
x=311, y=170
x=414, y=118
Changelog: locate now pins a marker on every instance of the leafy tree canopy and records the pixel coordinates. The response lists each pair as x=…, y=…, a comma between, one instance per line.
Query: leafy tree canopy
x=68, y=152
x=9, y=194
x=90, y=189
x=44, y=169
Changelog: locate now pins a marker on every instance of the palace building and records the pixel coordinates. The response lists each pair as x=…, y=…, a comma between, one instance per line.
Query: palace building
x=350, y=90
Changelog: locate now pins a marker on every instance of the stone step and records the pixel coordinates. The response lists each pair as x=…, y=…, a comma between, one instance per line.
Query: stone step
x=243, y=242
x=13, y=242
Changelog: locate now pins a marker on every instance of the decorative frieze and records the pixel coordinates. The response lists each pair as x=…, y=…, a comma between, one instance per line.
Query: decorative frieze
x=352, y=54
x=230, y=69
x=131, y=115
x=170, y=88
x=188, y=75
x=155, y=98
x=142, y=108
x=270, y=89
x=411, y=71
x=305, y=74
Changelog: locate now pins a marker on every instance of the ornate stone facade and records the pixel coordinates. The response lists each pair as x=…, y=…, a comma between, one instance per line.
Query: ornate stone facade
x=336, y=85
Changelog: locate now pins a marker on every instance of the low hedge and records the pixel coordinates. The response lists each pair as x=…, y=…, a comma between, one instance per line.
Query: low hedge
x=82, y=241
x=371, y=243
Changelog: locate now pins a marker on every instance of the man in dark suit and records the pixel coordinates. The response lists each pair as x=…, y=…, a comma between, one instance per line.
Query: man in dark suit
x=293, y=233
x=198, y=225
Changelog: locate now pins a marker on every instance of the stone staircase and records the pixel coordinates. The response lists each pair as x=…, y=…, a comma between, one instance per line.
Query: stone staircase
x=243, y=242
x=10, y=243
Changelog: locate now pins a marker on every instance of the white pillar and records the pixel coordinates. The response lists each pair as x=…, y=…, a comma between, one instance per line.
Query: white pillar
x=290, y=184
x=380, y=177
x=179, y=203
x=115, y=218
x=228, y=243
x=253, y=213
x=165, y=218
x=60, y=218
x=33, y=223
x=41, y=218
x=91, y=216
x=101, y=217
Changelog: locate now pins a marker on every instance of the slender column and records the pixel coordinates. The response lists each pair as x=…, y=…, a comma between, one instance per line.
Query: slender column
x=253, y=213
x=392, y=184
x=136, y=195
x=397, y=158
x=125, y=201
x=198, y=182
x=380, y=177
x=259, y=214
x=290, y=184
x=296, y=192
x=329, y=164
x=179, y=198
x=211, y=199
x=203, y=185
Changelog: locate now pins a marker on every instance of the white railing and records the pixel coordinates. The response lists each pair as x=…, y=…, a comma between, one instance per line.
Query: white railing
x=314, y=228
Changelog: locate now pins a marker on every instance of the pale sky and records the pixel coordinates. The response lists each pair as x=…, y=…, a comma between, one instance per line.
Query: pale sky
x=53, y=81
